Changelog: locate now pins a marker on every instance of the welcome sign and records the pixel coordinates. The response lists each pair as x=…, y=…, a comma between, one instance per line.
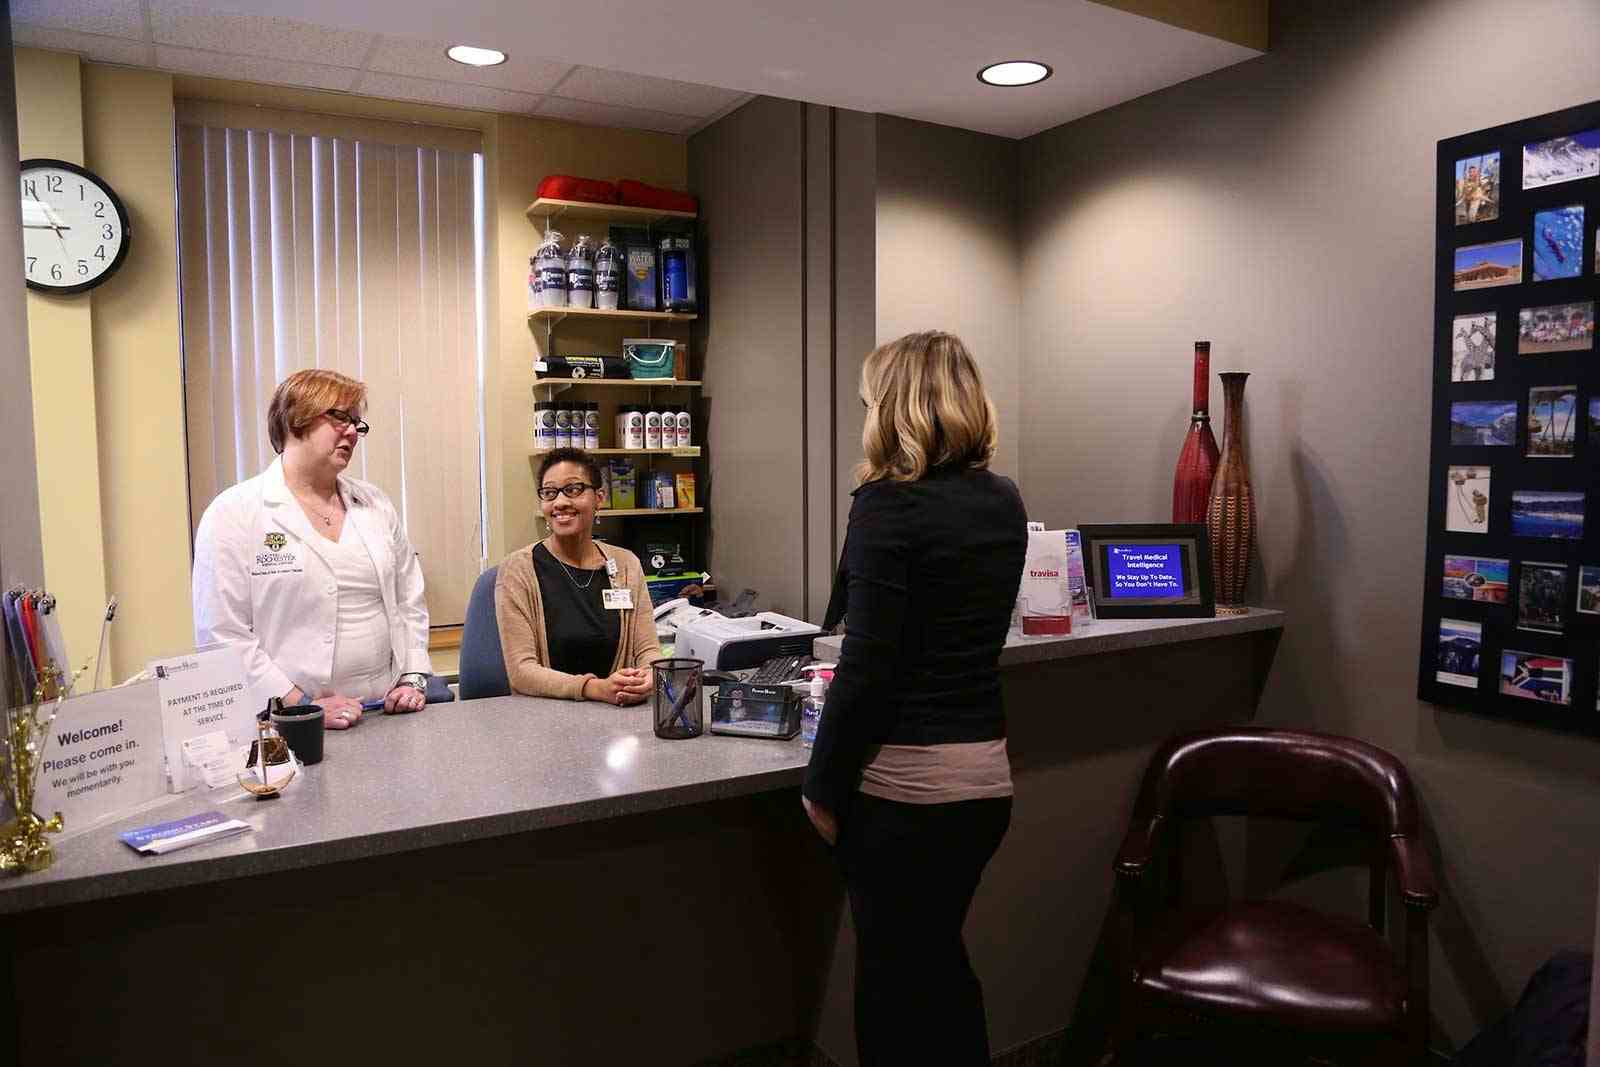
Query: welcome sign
x=103, y=758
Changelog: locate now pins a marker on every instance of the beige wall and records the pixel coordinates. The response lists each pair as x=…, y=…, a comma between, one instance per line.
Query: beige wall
x=1284, y=210
x=108, y=400
x=947, y=252
x=50, y=124
x=528, y=150
x=138, y=370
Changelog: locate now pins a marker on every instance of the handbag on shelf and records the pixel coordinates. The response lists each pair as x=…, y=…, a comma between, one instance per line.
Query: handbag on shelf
x=650, y=358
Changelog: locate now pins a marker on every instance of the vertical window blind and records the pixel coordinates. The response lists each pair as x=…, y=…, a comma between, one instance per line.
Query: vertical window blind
x=306, y=245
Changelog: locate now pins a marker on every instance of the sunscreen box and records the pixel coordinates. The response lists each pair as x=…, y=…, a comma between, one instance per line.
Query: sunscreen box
x=624, y=486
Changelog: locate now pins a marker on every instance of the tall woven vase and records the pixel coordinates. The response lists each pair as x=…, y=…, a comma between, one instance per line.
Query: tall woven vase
x=1197, y=462
x=1231, y=513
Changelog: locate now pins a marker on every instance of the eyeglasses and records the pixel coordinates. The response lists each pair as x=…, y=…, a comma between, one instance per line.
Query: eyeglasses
x=572, y=490
x=344, y=419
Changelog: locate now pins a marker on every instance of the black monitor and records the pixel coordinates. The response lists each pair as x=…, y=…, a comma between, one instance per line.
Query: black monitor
x=1149, y=570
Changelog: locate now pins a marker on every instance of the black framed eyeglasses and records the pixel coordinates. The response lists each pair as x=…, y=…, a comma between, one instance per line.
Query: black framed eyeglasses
x=572, y=490
x=344, y=418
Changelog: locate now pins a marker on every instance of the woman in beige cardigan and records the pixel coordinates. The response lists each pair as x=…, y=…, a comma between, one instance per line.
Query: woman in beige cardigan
x=575, y=616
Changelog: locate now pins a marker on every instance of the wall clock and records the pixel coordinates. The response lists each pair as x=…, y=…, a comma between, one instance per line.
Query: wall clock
x=75, y=231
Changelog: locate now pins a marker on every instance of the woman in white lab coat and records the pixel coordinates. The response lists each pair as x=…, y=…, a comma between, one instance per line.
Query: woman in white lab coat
x=309, y=570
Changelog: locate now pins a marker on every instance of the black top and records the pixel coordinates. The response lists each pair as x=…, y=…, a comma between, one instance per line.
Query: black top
x=581, y=634
x=927, y=581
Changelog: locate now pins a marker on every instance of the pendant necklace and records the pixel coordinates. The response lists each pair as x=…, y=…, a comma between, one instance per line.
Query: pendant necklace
x=569, y=570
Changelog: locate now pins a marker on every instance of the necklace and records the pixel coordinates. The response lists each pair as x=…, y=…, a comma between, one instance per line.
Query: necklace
x=569, y=570
x=327, y=519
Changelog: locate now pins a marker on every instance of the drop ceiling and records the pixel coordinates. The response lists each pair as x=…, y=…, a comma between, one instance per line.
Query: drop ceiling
x=669, y=66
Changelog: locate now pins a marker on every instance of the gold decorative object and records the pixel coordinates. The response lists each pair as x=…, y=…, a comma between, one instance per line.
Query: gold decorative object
x=269, y=749
x=23, y=844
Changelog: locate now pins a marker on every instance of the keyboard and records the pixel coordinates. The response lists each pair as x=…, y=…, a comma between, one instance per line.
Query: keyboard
x=779, y=669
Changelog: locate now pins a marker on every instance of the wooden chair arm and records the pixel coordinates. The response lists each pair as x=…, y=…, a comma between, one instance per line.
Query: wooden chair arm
x=1413, y=871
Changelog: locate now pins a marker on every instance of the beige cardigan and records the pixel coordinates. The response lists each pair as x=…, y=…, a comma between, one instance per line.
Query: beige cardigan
x=520, y=614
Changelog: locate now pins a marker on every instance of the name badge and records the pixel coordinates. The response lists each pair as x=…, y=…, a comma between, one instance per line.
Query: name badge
x=617, y=599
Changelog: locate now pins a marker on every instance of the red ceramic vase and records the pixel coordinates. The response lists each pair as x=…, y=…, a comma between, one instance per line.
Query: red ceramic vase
x=1197, y=463
x=1231, y=514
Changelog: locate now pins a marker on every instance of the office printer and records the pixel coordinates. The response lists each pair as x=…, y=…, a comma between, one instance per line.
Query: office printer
x=736, y=644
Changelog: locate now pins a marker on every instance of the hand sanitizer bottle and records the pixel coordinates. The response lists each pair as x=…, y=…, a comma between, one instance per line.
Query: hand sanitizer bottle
x=811, y=710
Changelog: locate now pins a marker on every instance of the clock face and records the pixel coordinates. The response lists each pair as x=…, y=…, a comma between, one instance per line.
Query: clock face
x=74, y=229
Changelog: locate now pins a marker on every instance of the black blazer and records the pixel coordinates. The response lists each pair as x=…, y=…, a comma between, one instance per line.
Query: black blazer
x=926, y=582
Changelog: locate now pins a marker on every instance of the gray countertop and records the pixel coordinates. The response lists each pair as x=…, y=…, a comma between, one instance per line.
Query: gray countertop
x=464, y=771
x=1096, y=636
x=451, y=773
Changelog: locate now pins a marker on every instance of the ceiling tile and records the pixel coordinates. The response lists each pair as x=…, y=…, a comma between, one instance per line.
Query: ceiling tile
x=88, y=45
x=448, y=94
x=182, y=22
x=253, y=68
x=113, y=18
x=651, y=94
x=426, y=59
x=628, y=118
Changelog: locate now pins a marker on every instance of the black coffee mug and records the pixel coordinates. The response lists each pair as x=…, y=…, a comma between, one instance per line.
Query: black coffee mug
x=303, y=730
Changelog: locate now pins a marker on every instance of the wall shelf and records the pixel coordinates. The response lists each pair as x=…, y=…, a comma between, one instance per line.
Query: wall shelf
x=623, y=513
x=551, y=316
x=691, y=452
x=550, y=208
x=624, y=383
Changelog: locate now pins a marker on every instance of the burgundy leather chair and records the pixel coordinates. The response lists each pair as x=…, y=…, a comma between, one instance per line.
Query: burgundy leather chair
x=1265, y=969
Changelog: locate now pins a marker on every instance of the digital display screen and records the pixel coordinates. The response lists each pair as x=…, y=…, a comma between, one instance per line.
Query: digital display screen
x=1145, y=571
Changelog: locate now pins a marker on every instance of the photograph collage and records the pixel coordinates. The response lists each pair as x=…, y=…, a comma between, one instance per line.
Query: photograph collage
x=1516, y=613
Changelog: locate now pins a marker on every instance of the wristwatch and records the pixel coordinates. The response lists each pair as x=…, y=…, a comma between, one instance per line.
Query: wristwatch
x=415, y=680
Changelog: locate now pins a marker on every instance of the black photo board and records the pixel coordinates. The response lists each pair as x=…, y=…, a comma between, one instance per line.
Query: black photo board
x=1511, y=596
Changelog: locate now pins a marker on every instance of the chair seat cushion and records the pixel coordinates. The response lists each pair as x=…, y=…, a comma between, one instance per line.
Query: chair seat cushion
x=1273, y=962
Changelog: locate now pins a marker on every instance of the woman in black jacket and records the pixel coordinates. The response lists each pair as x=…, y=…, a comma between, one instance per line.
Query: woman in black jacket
x=909, y=775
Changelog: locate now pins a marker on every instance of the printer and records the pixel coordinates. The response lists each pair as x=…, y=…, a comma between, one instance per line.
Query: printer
x=737, y=644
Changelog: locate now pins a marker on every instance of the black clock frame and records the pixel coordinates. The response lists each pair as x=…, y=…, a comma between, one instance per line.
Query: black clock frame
x=122, y=217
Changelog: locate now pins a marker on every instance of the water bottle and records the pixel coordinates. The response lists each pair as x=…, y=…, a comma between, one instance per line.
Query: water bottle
x=607, y=276
x=811, y=710
x=550, y=273
x=580, y=273
x=677, y=274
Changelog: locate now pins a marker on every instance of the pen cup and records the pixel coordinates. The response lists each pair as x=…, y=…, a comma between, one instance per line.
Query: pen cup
x=676, y=698
x=303, y=732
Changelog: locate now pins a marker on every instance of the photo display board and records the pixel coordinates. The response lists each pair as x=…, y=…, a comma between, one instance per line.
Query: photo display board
x=1511, y=598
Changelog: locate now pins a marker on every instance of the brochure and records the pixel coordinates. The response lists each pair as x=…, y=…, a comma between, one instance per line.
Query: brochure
x=181, y=833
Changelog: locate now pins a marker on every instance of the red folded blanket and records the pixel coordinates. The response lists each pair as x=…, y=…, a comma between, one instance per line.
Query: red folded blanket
x=566, y=187
x=638, y=194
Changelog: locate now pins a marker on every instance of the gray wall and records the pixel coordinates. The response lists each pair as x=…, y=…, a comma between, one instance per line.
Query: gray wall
x=948, y=252
x=786, y=220
x=1283, y=209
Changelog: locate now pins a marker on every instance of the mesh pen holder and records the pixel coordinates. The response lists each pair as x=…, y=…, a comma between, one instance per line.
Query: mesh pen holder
x=676, y=698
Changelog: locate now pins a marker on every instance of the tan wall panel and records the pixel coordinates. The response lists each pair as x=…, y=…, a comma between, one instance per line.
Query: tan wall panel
x=138, y=359
x=50, y=124
x=528, y=150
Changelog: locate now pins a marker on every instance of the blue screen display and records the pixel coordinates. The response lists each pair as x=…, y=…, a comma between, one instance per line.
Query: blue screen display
x=1144, y=571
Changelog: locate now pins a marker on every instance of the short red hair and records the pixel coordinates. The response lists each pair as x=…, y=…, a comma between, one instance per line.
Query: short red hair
x=305, y=396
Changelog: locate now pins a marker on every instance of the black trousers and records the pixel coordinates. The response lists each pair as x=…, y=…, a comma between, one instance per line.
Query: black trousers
x=911, y=871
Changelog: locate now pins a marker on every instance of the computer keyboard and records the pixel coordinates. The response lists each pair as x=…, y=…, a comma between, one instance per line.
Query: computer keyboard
x=779, y=669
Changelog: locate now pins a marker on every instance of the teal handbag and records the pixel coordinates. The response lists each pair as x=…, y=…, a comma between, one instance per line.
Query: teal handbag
x=649, y=357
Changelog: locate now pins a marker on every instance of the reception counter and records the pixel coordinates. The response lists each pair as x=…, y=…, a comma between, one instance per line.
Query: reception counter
x=531, y=880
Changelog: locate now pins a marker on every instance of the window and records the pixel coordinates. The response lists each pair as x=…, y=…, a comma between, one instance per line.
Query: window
x=311, y=241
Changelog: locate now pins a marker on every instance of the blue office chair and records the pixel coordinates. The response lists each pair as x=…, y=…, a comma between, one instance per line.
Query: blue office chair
x=483, y=663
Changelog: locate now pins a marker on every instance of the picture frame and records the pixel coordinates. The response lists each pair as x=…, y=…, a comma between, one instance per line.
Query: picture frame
x=1511, y=574
x=1148, y=570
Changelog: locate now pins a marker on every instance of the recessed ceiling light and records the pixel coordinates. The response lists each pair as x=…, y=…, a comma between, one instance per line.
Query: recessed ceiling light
x=1015, y=72
x=476, y=57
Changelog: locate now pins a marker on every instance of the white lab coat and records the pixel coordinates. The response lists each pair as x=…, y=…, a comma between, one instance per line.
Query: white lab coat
x=261, y=581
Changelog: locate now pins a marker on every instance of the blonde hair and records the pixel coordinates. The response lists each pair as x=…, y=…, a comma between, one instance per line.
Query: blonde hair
x=926, y=408
x=304, y=396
